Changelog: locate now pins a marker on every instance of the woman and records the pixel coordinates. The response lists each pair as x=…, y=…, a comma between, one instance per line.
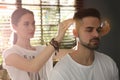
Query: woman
x=24, y=61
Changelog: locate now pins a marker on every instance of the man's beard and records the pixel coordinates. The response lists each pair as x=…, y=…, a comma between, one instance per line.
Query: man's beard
x=90, y=45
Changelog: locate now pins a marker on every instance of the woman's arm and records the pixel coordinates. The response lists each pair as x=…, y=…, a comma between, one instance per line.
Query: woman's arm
x=37, y=63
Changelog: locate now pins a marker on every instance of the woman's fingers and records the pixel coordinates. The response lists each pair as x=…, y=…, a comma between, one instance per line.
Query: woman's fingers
x=63, y=26
x=66, y=24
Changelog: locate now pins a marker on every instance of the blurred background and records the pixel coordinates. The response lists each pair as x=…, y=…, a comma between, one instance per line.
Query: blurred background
x=49, y=13
x=110, y=43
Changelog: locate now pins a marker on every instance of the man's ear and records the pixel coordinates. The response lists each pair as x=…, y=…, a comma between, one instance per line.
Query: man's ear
x=75, y=32
x=14, y=27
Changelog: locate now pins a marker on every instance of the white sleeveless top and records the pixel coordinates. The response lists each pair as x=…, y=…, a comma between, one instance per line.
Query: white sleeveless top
x=17, y=74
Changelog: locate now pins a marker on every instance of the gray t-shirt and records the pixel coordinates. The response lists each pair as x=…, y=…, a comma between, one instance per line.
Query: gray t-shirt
x=17, y=74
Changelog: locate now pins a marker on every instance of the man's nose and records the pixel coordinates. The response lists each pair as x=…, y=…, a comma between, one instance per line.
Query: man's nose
x=96, y=33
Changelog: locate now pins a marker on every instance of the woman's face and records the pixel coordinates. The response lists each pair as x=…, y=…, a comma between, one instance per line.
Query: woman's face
x=26, y=26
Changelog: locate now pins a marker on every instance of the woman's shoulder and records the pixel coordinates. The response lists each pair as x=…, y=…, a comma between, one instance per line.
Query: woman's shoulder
x=12, y=48
x=9, y=50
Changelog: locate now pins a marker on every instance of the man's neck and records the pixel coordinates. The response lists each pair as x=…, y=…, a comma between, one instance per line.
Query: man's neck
x=83, y=56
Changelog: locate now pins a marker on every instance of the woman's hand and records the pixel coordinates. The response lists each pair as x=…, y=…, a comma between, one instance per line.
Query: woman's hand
x=63, y=26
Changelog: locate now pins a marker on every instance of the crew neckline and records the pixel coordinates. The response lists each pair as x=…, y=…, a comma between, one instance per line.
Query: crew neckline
x=80, y=65
x=24, y=48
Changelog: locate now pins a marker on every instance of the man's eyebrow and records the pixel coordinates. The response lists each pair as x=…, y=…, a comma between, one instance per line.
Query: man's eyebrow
x=100, y=27
x=89, y=27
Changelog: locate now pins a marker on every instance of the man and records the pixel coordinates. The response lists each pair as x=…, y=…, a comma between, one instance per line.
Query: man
x=85, y=63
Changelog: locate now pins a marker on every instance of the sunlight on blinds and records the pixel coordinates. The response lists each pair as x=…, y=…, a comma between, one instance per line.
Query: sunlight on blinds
x=48, y=15
x=5, y=31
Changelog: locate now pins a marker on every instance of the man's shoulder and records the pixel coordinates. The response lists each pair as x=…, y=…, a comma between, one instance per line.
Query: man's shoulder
x=103, y=57
x=101, y=54
x=63, y=63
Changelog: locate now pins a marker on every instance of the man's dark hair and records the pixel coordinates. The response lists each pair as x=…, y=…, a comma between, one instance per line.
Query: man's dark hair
x=87, y=12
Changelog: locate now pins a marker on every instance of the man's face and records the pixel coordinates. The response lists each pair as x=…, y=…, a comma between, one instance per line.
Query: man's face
x=88, y=32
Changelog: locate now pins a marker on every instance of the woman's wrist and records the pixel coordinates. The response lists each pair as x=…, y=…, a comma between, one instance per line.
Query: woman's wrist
x=55, y=44
x=58, y=38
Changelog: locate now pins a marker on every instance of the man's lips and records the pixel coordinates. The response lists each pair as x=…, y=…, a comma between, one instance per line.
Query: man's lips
x=95, y=41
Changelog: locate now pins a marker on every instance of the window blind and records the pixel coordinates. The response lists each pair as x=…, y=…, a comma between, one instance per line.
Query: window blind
x=48, y=15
